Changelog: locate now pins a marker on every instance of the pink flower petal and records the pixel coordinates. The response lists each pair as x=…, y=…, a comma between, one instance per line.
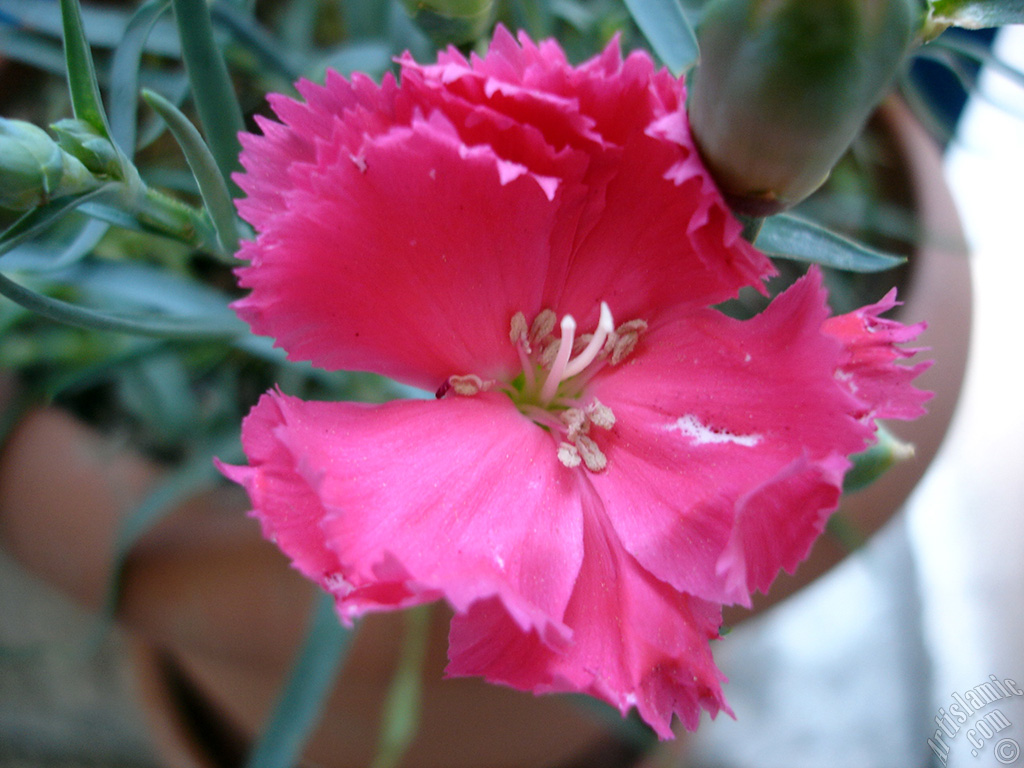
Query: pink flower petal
x=635, y=640
x=652, y=245
x=410, y=266
x=410, y=501
x=723, y=422
x=869, y=368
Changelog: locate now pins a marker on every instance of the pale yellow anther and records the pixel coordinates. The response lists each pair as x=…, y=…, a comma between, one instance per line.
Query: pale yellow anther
x=548, y=353
x=581, y=342
x=623, y=346
x=568, y=455
x=468, y=385
x=543, y=325
x=575, y=421
x=519, y=328
x=631, y=326
x=600, y=415
x=592, y=457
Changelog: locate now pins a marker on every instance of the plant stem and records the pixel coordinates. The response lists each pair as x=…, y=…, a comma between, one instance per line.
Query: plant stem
x=401, y=714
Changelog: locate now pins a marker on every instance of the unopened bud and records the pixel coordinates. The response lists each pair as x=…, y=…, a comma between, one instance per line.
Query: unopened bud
x=81, y=140
x=34, y=169
x=871, y=464
x=784, y=86
x=452, y=21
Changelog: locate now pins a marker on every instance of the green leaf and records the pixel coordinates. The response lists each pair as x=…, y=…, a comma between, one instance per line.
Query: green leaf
x=124, y=74
x=401, y=715
x=212, y=186
x=193, y=476
x=791, y=237
x=312, y=676
x=248, y=31
x=38, y=219
x=977, y=14
x=969, y=48
x=667, y=29
x=104, y=24
x=31, y=49
x=212, y=90
x=139, y=323
x=85, y=92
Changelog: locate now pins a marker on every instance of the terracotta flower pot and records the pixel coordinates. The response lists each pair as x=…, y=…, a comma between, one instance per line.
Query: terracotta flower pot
x=217, y=614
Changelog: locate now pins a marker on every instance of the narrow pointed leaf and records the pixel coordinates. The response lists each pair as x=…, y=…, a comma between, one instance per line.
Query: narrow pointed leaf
x=85, y=91
x=791, y=237
x=977, y=14
x=248, y=32
x=664, y=24
x=301, y=700
x=970, y=49
x=212, y=186
x=212, y=91
x=139, y=324
x=124, y=74
x=38, y=219
x=192, y=477
x=401, y=717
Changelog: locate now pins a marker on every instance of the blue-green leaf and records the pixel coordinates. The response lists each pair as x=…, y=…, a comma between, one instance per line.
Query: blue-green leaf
x=401, y=716
x=249, y=32
x=195, y=475
x=212, y=185
x=312, y=676
x=38, y=219
x=138, y=323
x=791, y=237
x=212, y=90
x=977, y=14
x=667, y=29
x=85, y=91
x=124, y=74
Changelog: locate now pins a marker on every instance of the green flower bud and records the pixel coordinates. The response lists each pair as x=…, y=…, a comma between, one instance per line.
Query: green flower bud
x=452, y=21
x=784, y=86
x=81, y=140
x=871, y=464
x=34, y=169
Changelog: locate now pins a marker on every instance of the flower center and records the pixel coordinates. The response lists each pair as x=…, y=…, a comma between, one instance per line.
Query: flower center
x=551, y=388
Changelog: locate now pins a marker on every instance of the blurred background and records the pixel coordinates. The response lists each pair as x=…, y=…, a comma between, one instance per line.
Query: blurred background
x=858, y=670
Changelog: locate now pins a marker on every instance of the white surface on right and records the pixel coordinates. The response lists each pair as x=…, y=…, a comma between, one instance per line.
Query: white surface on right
x=967, y=517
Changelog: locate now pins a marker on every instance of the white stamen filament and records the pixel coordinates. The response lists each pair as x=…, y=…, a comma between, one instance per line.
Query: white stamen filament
x=529, y=377
x=562, y=368
x=557, y=373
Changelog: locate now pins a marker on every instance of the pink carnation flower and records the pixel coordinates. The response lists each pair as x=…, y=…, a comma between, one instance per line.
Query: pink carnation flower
x=608, y=459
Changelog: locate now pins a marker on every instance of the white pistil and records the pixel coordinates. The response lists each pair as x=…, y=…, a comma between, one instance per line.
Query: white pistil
x=562, y=368
x=557, y=373
x=604, y=326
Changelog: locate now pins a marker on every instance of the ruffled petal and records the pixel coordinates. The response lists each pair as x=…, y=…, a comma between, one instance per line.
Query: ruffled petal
x=653, y=245
x=391, y=505
x=409, y=263
x=869, y=367
x=636, y=642
x=274, y=157
x=721, y=423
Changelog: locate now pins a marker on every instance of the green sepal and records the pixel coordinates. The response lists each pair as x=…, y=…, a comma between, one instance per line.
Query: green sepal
x=871, y=464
